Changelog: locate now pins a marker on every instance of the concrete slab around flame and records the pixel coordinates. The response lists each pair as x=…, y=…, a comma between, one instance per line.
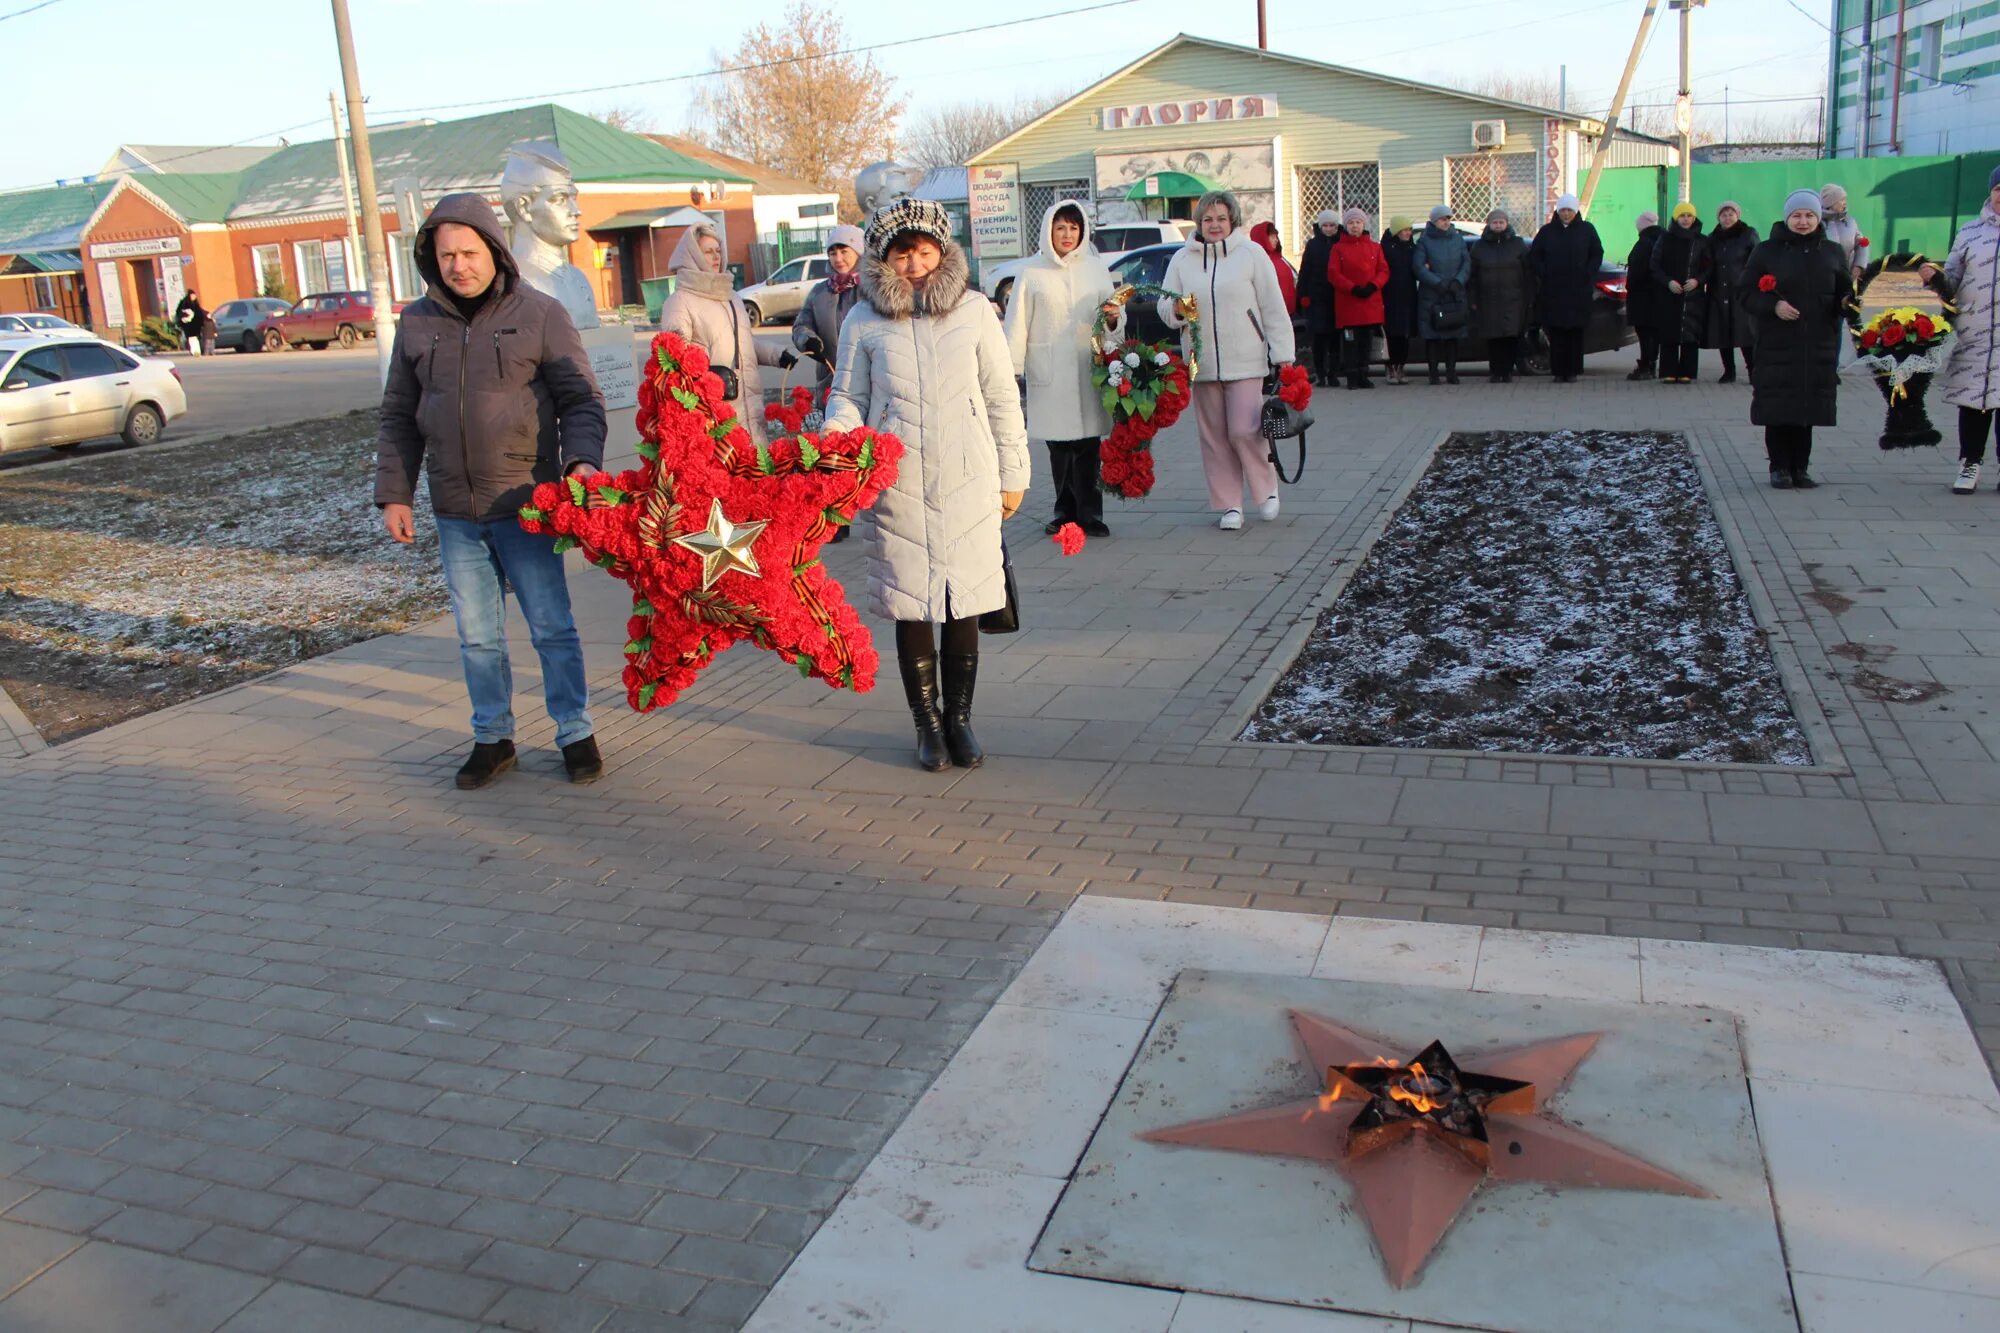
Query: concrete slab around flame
x=1666, y=1083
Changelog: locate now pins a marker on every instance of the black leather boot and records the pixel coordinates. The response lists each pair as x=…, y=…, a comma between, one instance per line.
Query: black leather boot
x=488, y=760
x=920, y=687
x=960, y=673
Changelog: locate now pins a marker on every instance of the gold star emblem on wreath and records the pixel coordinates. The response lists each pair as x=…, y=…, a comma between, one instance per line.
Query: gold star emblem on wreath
x=723, y=546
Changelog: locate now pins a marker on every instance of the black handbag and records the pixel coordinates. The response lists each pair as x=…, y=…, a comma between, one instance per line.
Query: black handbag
x=1005, y=619
x=1451, y=312
x=1279, y=420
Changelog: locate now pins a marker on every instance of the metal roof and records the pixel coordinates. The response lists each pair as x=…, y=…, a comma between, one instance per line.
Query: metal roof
x=192, y=197
x=50, y=261
x=202, y=159
x=464, y=154
x=682, y=216
x=51, y=219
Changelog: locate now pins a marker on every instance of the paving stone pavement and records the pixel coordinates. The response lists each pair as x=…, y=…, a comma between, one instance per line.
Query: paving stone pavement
x=294, y=1033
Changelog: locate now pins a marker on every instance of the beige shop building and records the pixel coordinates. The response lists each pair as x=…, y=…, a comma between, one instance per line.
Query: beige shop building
x=1290, y=136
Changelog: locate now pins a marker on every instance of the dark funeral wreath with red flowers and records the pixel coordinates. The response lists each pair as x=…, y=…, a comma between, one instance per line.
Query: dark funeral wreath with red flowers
x=720, y=537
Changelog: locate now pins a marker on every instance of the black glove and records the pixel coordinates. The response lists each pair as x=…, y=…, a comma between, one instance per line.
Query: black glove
x=787, y=359
x=812, y=346
x=1366, y=289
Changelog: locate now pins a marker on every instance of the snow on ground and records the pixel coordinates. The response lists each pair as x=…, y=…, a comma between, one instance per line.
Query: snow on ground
x=136, y=579
x=1564, y=592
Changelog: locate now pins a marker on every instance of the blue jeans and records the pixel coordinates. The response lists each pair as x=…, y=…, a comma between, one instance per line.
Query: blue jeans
x=477, y=557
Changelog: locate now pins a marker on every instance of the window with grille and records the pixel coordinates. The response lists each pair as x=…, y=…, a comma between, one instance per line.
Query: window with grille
x=1486, y=181
x=1338, y=188
x=1038, y=196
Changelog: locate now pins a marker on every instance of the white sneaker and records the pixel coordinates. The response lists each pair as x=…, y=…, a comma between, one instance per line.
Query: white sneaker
x=1232, y=521
x=1269, y=509
x=1968, y=479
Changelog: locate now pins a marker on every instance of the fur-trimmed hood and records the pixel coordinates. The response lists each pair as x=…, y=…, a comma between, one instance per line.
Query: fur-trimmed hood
x=892, y=297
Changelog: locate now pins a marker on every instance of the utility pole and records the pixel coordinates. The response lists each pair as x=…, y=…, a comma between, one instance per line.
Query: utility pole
x=1263, y=33
x=1684, y=101
x=1618, y=102
x=354, y=252
x=371, y=218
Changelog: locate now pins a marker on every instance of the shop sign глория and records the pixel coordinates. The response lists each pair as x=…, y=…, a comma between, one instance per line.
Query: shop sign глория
x=1257, y=106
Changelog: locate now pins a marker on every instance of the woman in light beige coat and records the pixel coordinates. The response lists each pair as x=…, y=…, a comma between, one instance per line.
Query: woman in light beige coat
x=706, y=310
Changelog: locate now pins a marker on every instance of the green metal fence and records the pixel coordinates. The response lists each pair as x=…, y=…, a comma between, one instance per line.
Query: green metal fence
x=1902, y=203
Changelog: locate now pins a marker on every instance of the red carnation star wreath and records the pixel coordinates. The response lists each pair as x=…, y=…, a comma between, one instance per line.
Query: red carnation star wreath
x=720, y=538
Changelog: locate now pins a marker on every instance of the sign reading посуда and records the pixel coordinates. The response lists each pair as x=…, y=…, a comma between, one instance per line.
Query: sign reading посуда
x=1255, y=106
x=993, y=197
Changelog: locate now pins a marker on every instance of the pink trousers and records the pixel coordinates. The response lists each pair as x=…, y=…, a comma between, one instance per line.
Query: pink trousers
x=1233, y=453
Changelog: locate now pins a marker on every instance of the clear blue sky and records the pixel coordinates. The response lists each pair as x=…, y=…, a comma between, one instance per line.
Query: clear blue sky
x=118, y=71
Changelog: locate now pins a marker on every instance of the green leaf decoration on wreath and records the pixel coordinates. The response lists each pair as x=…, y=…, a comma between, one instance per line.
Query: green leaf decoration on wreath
x=564, y=543
x=808, y=454
x=646, y=693
x=612, y=495
x=576, y=495
x=765, y=463
x=648, y=451
x=686, y=399
x=639, y=647
x=532, y=514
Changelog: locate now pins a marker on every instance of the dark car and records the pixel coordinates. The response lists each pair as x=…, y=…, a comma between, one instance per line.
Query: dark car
x=322, y=318
x=238, y=324
x=1607, y=331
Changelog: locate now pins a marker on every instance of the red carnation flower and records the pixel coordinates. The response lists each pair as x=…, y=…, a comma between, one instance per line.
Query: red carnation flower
x=1069, y=537
x=1767, y=283
x=546, y=497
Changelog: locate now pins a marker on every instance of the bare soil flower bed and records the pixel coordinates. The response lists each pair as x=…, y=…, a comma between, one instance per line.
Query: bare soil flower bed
x=1564, y=592
x=141, y=578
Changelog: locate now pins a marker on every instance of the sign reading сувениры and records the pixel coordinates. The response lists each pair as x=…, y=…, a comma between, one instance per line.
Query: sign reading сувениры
x=993, y=198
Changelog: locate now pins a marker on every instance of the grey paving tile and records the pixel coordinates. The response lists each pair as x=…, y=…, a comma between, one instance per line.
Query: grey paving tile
x=103, y=1286
x=288, y=1308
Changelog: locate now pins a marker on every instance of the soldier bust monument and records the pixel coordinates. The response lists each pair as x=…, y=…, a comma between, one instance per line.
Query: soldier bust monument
x=539, y=197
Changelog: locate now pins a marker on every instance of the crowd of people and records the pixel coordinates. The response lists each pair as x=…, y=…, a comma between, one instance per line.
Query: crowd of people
x=905, y=343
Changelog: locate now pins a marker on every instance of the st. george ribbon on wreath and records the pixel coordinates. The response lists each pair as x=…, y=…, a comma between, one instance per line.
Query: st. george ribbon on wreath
x=1902, y=343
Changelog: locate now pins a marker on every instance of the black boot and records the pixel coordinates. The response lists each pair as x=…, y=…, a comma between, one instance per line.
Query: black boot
x=920, y=687
x=1802, y=480
x=488, y=760
x=1451, y=370
x=1434, y=373
x=583, y=761
x=1781, y=479
x=961, y=671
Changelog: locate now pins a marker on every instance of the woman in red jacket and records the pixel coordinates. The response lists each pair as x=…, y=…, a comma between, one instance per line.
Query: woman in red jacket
x=1356, y=270
x=1266, y=235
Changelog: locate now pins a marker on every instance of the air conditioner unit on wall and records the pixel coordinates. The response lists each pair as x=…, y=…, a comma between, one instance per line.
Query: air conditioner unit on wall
x=1489, y=133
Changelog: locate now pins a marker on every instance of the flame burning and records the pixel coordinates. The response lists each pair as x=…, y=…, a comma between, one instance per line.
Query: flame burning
x=1414, y=1089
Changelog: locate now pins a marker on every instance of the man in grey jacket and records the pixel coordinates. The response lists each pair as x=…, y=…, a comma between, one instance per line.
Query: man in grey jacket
x=490, y=392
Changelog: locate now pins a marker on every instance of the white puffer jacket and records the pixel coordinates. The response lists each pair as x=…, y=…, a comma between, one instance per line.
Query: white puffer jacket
x=1972, y=279
x=1245, y=328
x=1056, y=299
x=933, y=371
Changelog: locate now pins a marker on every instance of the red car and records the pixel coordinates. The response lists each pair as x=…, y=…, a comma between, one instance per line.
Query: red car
x=325, y=317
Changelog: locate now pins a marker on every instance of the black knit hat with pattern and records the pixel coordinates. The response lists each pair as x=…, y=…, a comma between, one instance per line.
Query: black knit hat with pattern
x=922, y=216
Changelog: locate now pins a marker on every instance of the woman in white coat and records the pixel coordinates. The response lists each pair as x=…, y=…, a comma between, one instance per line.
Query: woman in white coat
x=705, y=309
x=1056, y=299
x=1245, y=332
x=1970, y=278
x=924, y=358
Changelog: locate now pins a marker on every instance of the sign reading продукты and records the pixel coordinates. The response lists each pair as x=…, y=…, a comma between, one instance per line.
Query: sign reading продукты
x=994, y=200
x=1144, y=115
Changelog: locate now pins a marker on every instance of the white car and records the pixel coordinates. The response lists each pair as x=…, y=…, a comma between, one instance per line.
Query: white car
x=1110, y=240
x=56, y=393
x=49, y=326
x=780, y=296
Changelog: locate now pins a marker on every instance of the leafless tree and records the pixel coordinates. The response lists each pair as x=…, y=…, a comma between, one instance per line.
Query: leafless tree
x=632, y=119
x=948, y=135
x=792, y=103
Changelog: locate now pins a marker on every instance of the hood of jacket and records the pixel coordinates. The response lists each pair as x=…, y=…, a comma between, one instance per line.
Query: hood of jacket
x=1733, y=230
x=690, y=267
x=1265, y=235
x=1678, y=230
x=1085, y=253
x=467, y=210
x=892, y=297
x=1488, y=236
x=1211, y=253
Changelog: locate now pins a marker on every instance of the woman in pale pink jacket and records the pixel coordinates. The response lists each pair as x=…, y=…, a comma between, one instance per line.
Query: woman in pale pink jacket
x=706, y=310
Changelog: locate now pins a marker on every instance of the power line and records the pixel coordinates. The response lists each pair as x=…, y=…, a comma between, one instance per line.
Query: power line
x=29, y=10
x=764, y=64
x=192, y=152
x=1880, y=59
